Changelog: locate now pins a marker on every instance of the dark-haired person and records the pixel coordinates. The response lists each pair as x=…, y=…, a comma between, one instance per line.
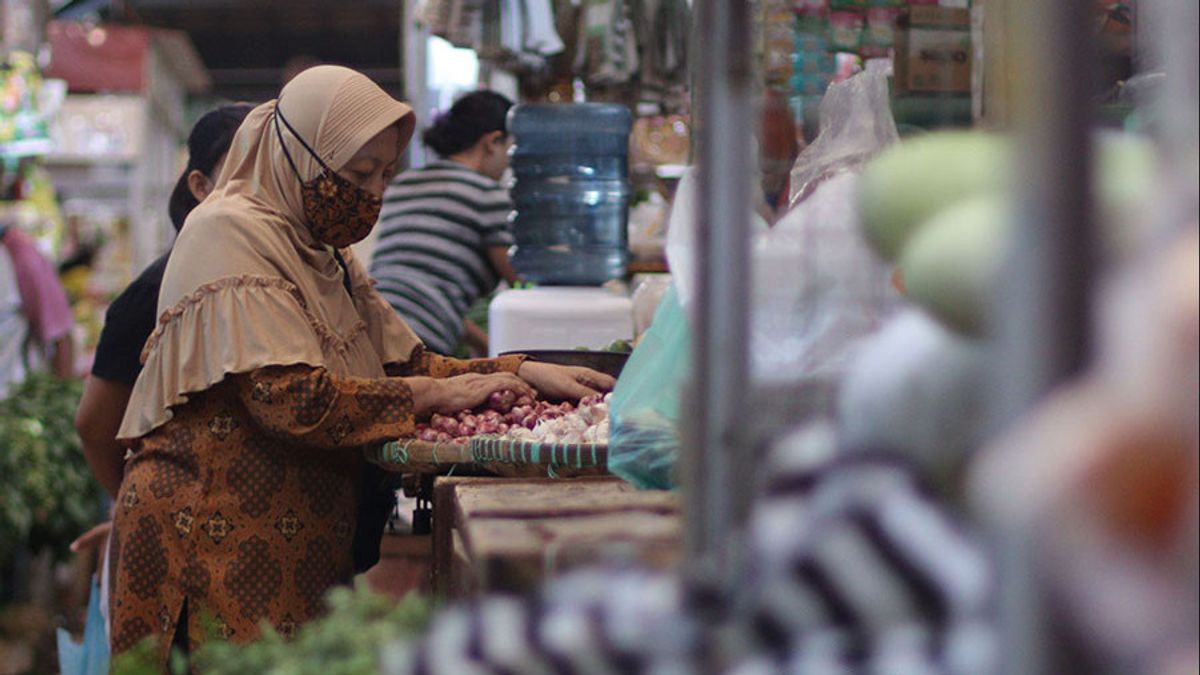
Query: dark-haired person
x=131, y=317
x=274, y=365
x=443, y=238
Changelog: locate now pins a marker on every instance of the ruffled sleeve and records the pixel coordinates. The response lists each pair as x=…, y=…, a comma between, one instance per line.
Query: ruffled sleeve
x=232, y=325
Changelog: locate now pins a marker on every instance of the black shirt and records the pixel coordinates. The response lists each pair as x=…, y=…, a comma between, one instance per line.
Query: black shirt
x=127, y=324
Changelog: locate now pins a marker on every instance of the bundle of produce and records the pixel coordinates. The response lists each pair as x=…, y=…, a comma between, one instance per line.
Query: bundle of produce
x=941, y=208
x=509, y=416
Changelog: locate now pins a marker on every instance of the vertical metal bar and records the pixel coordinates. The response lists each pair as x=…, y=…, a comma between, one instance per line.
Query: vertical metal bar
x=1180, y=116
x=414, y=44
x=1043, y=307
x=1175, y=29
x=1182, y=88
x=717, y=485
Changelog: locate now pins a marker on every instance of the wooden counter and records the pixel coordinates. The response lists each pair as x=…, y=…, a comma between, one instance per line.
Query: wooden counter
x=512, y=533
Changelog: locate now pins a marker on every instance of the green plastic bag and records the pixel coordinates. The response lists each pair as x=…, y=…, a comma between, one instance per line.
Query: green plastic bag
x=643, y=439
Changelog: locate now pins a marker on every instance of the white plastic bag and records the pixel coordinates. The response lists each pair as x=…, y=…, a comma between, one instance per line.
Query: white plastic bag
x=856, y=125
x=818, y=289
x=681, y=236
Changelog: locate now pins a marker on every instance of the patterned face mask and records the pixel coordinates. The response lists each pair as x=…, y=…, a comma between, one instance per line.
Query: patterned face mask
x=339, y=212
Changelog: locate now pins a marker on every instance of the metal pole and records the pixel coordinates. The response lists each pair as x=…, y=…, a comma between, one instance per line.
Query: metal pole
x=1043, y=310
x=1176, y=24
x=414, y=44
x=717, y=467
x=1182, y=88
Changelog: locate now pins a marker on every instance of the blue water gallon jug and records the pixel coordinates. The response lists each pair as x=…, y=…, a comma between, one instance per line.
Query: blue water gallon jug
x=571, y=192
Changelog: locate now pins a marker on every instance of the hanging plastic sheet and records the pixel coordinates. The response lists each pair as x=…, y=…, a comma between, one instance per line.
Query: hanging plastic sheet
x=818, y=290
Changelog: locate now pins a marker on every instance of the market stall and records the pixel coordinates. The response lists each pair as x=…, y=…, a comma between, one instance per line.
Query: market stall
x=911, y=398
x=718, y=472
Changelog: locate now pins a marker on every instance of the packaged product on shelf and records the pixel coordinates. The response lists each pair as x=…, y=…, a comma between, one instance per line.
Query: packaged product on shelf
x=814, y=24
x=881, y=26
x=810, y=84
x=813, y=63
x=810, y=7
x=811, y=42
x=845, y=30
x=933, y=52
x=778, y=46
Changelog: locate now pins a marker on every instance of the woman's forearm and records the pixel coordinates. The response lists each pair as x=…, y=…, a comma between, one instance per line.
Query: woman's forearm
x=97, y=420
x=434, y=365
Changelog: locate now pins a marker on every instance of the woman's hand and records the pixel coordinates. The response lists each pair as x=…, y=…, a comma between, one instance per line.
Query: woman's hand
x=463, y=392
x=93, y=538
x=564, y=382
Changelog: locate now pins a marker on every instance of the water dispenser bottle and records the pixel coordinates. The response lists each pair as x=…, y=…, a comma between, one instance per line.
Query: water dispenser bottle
x=571, y=193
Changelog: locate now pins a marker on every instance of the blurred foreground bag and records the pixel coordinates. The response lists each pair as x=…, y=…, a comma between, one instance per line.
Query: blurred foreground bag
x=89, y=657
x=643, y=439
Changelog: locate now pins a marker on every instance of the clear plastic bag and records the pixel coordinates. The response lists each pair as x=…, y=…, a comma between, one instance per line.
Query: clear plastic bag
x=818, y=287
x=681, y=236
x=856, y=125
x=817, y=290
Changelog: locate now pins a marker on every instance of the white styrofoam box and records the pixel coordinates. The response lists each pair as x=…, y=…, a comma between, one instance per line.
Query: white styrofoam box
x=558, y=317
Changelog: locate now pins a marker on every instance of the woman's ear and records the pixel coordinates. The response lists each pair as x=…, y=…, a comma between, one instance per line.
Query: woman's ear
x=199, y=184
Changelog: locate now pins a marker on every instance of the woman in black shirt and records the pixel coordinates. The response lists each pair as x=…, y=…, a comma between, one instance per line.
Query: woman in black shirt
x=131, y=317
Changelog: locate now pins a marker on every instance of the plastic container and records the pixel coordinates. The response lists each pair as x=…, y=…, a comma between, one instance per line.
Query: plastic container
x=560, y=317
x=570, y=193
x=571, y=139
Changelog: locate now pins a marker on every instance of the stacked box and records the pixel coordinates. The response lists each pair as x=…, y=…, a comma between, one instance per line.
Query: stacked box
x=833, y=38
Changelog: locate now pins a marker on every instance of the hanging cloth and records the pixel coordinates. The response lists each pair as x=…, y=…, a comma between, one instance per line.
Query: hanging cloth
x=540, y=37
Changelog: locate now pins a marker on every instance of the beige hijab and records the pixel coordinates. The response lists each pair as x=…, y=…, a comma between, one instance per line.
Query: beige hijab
x=247, y=284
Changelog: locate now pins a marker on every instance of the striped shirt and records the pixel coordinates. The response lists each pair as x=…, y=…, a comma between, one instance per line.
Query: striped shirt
x=430, y=260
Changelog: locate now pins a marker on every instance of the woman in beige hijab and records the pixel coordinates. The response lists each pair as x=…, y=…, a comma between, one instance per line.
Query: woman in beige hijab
x=269, y=372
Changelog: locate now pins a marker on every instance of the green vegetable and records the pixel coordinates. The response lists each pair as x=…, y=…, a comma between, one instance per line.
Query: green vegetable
x=47, y=493
x=953, y=262
x=346, y=641
x=619, y=346
x=909, y=183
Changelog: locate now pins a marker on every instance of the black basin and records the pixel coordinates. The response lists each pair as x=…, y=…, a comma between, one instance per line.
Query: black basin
x=609, y=363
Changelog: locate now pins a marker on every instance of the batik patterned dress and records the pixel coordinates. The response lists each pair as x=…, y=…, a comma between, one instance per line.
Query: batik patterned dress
x=242, y=506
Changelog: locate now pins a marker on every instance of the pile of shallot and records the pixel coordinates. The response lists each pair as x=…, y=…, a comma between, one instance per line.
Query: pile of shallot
x=507, y=415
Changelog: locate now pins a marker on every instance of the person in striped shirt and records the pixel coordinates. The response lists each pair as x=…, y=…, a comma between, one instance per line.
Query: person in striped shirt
x=443, y=232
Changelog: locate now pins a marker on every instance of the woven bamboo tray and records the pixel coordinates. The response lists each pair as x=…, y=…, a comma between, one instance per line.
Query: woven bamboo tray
x=495, y=456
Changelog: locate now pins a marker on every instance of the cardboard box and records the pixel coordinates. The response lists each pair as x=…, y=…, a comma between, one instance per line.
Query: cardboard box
x=933, y=51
